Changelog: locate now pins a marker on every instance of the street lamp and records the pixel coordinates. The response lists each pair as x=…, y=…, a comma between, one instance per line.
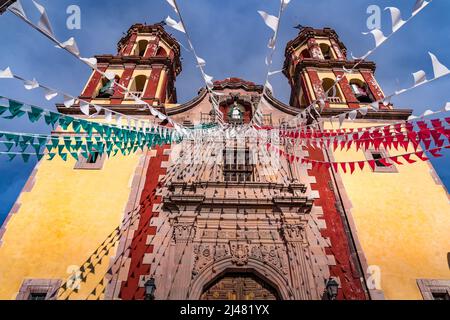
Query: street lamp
x=150, y=288
x=332, y=288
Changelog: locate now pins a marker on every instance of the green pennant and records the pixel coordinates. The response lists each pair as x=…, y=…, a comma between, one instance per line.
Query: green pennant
x=3, y=109
x=25, y=157
x=37, y=148
x=76, y=125
x=35, y=114
x=63, y=156
x=68, y=143
x=74, y=155
x=15, y=108
x=55, y=142
x=12, y=137
x=52, y=118
x=11, y=156
x=23, y=146
x=42, y=140
x=39, y=156
x=8, y=145
x=51, y=155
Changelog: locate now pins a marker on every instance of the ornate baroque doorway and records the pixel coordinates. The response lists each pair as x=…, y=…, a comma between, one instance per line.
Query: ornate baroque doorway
x=239, y=286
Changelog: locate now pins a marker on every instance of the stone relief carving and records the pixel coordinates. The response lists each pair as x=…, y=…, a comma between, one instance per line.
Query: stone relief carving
x=183, y=232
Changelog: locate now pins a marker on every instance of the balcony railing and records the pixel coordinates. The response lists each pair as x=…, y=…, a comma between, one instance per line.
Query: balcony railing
x=131, y=94
x=334, y=100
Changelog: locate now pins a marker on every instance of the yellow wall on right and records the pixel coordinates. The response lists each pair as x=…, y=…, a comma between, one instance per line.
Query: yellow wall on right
x=402, y=221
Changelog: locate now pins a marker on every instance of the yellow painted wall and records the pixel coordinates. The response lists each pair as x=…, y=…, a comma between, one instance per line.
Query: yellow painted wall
x=402, y=220
x=62, y=221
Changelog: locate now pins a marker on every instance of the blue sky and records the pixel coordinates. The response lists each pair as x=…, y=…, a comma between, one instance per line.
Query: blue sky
x=231, y=37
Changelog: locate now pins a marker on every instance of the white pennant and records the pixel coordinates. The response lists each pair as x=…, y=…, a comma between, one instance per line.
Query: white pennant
x=68, y=101
x=110, y=75
x=97, y=109
x=396, y=16
x=419, y=6
x=17, y=8
x=270, y=21
x=438, y=68
x=172, y=4
x=275, y=72
x=176, y=25
x=92, y=62
x=50, y=94
x=352, y=115
x=378, y=35
x=71, y=45
x=6, y=74
x=364, y=110
x=419, y=77
x=31, y=84
x=428, y=113
x=108, y=116
x=447, y=106
x=44, y=22
x=341, y=119
x=84, y=107
x=375, y=106
x=208, y=80
x=200, y=62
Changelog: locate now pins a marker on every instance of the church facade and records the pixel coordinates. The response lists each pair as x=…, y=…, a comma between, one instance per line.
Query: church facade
x=226, y=218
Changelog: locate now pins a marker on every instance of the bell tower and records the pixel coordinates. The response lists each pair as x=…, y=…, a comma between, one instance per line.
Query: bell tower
x=315, y=59
x=147, y=63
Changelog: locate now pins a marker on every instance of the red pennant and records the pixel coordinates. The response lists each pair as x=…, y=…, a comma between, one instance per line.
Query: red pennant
x=372, y=164
x=352, y=167
x=385, y=162
x=435, y=153
x=395, y=159
x=361, y=164
x=335, y=167
x=407, y=157
x=421, y=156
x=344, y=168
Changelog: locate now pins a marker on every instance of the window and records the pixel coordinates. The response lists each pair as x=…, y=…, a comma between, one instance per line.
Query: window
x=141, y=47
x=37, y=296
x=267, y=119
x=93, y=157
x=305, y=54
x=434, y=289
x=382, y=163
x=326, y=51
x=161, y=52
x=440, y=296
x=38, y=289
x=107, y=87
x=361, y=91
x=331, y=90
x=94, y=161
x=238, y=165
x=138, y=85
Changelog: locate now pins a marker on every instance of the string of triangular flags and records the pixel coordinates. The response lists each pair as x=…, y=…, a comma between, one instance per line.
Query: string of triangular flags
x=397, y=24
x=201, y=63
x=273, y=23
x=44, y=27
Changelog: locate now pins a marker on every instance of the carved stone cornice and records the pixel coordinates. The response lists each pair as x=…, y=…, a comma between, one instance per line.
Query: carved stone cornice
x=183, y=232
x=293, y=233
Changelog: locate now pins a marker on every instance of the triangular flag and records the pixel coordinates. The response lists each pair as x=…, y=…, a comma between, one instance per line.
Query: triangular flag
x=397, y=21
x=50, y=94
x=84, y=107
x=68, y=101
x=419, y=6
x=31, y=84
x=200, y=62
x=419, y=77
x=438, y=68
x=71, y=46
x=6, y=74
x=44, y=22
x=92, y=62
x=271, y=21
x=17, y=8
x=378, y=35
x=176, y=25
x=173, y=5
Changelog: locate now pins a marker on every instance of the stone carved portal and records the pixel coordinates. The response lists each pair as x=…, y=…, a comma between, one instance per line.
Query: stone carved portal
x=239, y=286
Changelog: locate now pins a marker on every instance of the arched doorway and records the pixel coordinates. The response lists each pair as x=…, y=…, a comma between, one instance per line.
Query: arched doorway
x=239, y=286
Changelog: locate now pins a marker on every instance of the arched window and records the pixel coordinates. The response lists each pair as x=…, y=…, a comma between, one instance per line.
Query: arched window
x=326, y=51
x=361, y=91
x=161, y=52
x=138, y=85
x=305, y=54
x=331, y=90
x=141, y=47
x=107, y=87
